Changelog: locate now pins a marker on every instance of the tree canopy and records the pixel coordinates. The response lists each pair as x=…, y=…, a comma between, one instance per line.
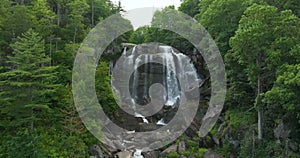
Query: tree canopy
x=258, y=39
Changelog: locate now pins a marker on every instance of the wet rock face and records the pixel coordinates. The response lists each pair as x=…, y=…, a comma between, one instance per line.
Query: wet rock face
x=154, y=64
x=171, y=67
x=140, y=81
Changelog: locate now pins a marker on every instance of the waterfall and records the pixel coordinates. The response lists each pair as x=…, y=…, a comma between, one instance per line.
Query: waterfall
x=174, y=67
x=146, y=76
x=169, y=76
x=135, y=79
x=173, y=93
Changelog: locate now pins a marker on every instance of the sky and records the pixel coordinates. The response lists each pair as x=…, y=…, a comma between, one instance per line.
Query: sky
x=132, y=4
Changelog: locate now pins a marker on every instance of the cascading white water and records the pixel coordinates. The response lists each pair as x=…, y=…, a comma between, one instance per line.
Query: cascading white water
x=169, y=75
x=161, y=122
x=173, y=93
x=175, y=66
x=146, y=76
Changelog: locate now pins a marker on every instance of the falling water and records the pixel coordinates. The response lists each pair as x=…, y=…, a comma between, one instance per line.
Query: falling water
x=161, y=122
x=146, y=76
x=173, y=93
x=175, y=67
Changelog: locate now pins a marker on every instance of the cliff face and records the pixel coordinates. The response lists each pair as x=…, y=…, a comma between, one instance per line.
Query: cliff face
x=143, y=66
x=136, y=75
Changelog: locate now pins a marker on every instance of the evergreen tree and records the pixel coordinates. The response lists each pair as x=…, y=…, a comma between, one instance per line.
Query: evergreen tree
x=76, y=27
x=43, y=18
x=27, y=83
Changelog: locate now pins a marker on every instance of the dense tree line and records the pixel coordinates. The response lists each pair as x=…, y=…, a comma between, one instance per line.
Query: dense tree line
x=39, y=39
x=258, y=39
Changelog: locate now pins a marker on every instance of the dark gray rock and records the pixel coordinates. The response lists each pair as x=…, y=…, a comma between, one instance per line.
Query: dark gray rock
x=181, y=146
x=211, y=154
x=124, y=154
x=172, y=148
x=96, y=151
x=191, y=156
x=151, y=154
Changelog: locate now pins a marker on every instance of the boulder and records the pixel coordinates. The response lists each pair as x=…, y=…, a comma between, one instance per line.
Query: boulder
x=96, y=151
x=124, y=154
x=211, y=154
x=172, y=148
x=151, y=154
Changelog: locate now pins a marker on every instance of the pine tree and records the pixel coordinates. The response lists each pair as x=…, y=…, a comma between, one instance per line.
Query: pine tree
x=78, y=8
x=27, y=83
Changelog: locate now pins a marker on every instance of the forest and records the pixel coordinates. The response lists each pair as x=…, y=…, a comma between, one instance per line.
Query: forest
x=258, y=41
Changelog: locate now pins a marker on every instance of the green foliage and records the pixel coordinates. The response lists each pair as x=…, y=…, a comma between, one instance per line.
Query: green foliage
x=264, y=42
x=192, y=145
x=167, y=18
x=43, y=18
x=40, y=38
x=23, y=144
x=252, y=38
x=42, y=143
x=203, y=7
x=172, y=155
x=186, y=153
x=239, y=120
x=190, y=7
x=104, y=89
x=283, y=101
x=201, y=152
x=140, y=35
x=293, y=5
x=98, y=10
x=221, y=19
x=258, y=148
x=29, y=82
x=76, y=20
x=37, y=114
